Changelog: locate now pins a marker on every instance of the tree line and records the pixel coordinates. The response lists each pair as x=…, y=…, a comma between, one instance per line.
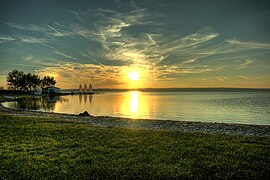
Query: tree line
x=20, y=81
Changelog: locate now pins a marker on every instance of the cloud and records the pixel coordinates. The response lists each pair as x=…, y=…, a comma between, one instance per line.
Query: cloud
x=92, y=59
x=80, y=30
x=29, y=27
x=246, y=64
x=73, y=74
x=32, y=39
x=116, y=39
x=60, y=33
x=245, y=77
x=6, y=39
x=49, y=31
x=27, y=58
x=20, y=65
x=116, y=35
x=249, y=44
x=176, y=71
x=180, y=45
x=42, y=62
x=116, y=43
x=77, y=15
x=219, y=78
x=64, y=55
x=109, y=11
x=166, y=55
x=114, y=31
x=44, y=42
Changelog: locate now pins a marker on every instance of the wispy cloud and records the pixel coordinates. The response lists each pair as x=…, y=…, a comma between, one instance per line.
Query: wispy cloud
x=92, y=59
x=246, y=64
x=73, y=74
x=249, y=44
x=48, y=31
x=164, y=54
x=20, y=65
x=32, y=40
x=77, y=15
x=114, y=32
x=6, y=39
x=176, y=71
x=28, y=27
x=245, y=77
x=187, y=42
x=82, y=31
x=220, y=78
x=115, y=40
x=27, y=58
x=64, y=55
x=59, y=33
x=43, y=62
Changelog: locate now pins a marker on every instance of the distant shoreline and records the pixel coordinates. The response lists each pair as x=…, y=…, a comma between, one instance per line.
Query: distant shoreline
x=98, y=90
x=181, y=90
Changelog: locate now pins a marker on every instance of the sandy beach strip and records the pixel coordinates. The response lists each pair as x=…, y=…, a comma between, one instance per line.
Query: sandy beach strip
x=184, y=126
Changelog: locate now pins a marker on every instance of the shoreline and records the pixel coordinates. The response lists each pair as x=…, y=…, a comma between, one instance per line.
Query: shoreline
x=171, y=125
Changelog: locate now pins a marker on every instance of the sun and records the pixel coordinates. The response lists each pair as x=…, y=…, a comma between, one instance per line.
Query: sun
x=133, y=76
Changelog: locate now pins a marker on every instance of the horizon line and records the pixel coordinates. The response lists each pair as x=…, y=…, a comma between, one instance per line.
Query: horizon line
x=178, y=88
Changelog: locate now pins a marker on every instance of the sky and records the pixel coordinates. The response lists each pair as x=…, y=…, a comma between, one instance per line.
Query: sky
x=169, y=43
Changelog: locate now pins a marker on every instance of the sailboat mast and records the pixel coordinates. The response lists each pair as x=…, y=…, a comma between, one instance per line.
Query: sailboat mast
x=90, y=88
x=85, y=88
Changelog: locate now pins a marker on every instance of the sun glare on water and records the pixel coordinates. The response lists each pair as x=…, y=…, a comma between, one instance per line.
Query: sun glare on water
x=134, y=76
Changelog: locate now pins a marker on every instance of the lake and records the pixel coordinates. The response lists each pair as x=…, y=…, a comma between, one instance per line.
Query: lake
x=223, y=107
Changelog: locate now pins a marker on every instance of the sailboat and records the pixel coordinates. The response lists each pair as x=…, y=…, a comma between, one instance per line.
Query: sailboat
x=80, y=88
x=85, y=88
x=90, y=88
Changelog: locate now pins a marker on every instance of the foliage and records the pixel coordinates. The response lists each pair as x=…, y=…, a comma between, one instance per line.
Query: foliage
x=47, y=81
x=51, y=148
x=18, y=80
x=14, y=79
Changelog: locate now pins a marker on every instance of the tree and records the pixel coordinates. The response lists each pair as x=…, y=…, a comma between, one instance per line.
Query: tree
x=47, y=81
x=14, y=79
x=29, y=82
x=18, y=80
x=35, y=81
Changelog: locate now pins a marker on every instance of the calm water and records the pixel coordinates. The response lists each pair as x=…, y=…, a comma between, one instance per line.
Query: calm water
x=226, y=107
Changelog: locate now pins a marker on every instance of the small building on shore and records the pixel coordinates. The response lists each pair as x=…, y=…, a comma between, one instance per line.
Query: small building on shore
x=51, y=90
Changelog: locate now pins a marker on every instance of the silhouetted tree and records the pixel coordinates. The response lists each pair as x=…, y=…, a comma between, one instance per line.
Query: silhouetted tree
x=14, y=79
x=17, y=80
x=29, y=82
x=47, y=81
x=35, y=81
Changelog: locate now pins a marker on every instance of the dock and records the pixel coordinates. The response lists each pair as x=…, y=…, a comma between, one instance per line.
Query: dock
x=74, y=93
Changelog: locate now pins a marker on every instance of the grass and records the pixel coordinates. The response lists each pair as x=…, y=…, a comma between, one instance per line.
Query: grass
x=47, y=148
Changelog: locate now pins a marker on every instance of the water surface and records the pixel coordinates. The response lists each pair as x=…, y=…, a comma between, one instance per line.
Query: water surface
x=225, y=107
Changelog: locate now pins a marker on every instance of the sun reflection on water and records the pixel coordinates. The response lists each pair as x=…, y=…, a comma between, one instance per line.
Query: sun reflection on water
x=134, y=102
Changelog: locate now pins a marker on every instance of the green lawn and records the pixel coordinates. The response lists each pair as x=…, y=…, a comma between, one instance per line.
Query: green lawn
x=36, y=147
